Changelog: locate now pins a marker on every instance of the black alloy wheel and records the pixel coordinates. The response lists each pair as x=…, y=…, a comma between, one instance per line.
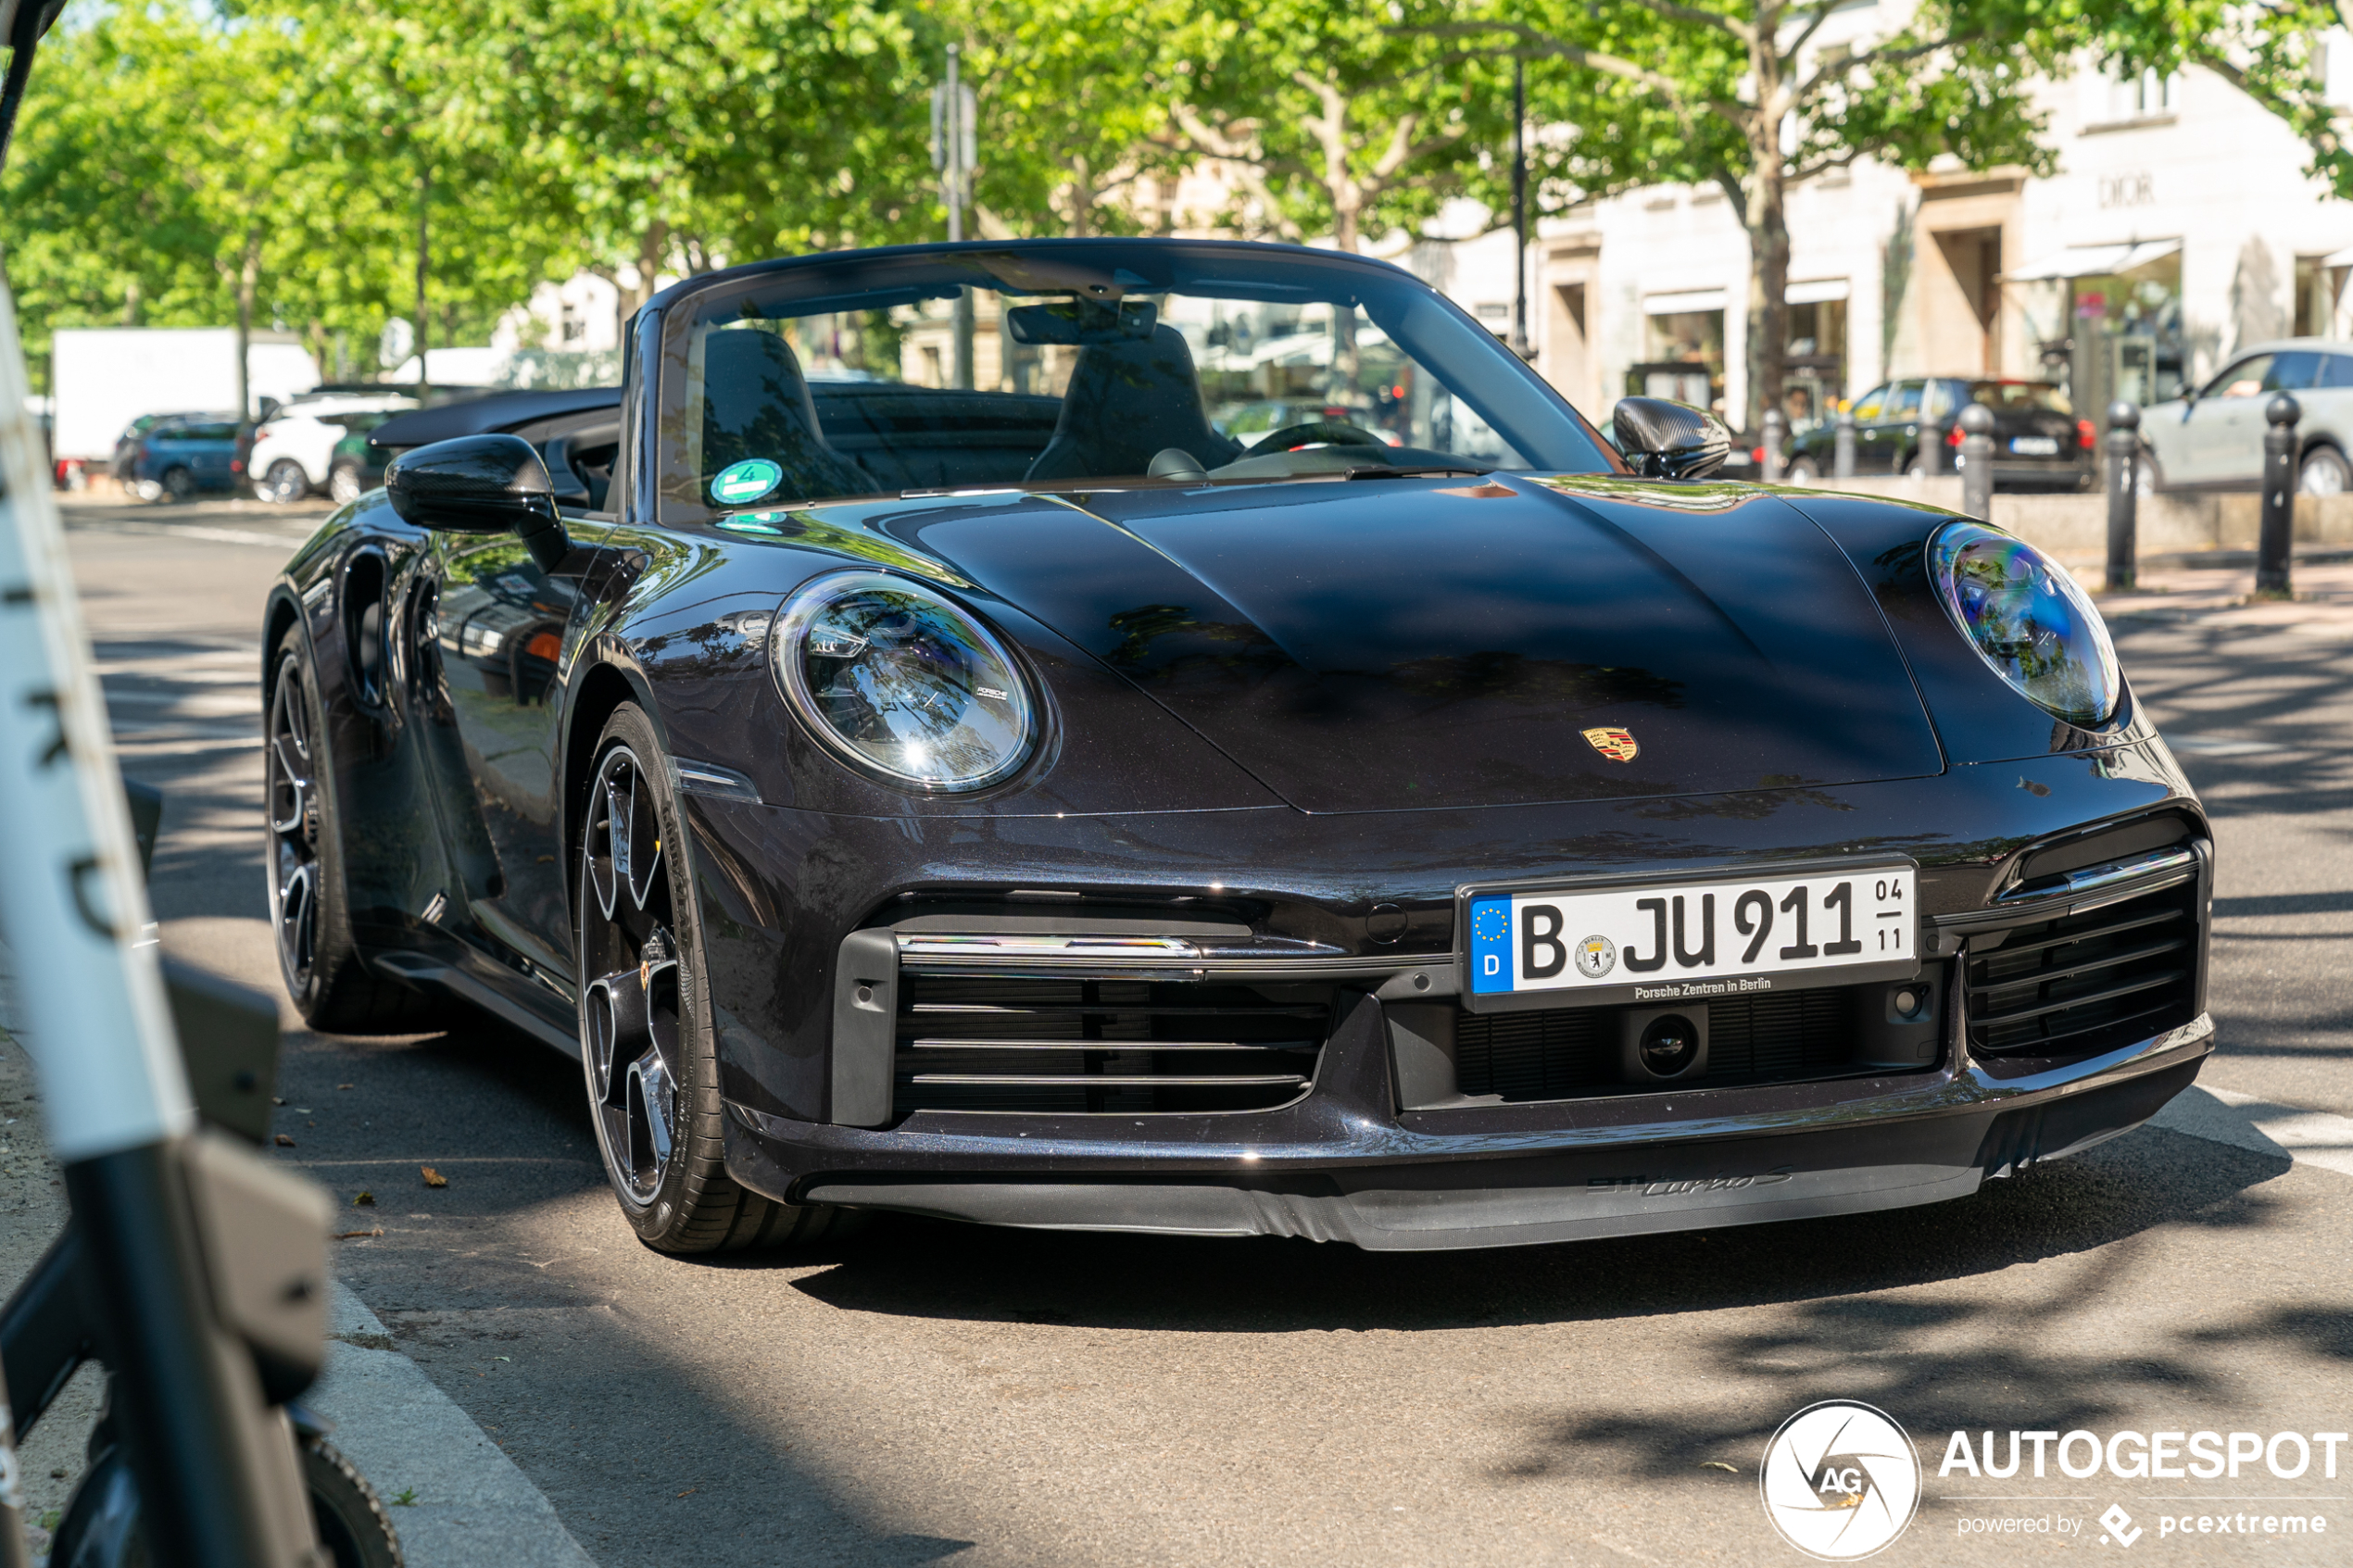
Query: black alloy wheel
x=284, y=484
x=326, y=972
x=179, y=483
x=647, y=1052
x=290, y=765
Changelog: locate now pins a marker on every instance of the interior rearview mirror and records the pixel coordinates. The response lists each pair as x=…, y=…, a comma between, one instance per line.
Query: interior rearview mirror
x=1664, y=439
x=481, y=484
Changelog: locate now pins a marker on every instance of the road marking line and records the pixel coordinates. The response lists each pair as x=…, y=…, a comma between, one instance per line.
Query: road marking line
x=2252, y=1123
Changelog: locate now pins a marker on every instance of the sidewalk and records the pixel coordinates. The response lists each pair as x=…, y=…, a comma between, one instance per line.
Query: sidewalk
x=2219, y=594
x=469, y=1506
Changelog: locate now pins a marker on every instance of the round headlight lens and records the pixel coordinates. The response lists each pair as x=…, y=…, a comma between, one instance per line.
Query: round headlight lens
x=903, y=682
x=2029, y=619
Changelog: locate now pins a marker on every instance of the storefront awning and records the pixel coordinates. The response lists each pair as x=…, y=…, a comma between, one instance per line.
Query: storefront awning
x=2094, y=262
x=1684, y=303
x=1819, y=292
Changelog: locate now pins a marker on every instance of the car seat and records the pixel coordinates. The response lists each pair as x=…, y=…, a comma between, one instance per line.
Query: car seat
x=756, y=404
x=1128, y=402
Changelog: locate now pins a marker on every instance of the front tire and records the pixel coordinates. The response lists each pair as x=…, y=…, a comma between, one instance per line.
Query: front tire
x=342, y=481
x=1802, y=470
x=648, y=1055
x=326, y=972
x=178, y=484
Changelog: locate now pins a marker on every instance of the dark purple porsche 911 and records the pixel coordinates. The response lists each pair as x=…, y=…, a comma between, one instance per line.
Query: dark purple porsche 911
x=916, y=759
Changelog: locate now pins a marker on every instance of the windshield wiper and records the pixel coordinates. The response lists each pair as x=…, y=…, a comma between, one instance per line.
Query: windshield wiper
x=1417, y=471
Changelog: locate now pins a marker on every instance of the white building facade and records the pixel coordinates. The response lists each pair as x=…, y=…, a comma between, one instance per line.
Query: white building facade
x=2179, y=227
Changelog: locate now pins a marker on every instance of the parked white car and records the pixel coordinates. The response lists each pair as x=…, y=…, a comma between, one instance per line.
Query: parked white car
x=293, y=450
x=2214, y=439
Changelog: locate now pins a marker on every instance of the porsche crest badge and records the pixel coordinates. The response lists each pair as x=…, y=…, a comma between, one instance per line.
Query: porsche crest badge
x=1617, y=745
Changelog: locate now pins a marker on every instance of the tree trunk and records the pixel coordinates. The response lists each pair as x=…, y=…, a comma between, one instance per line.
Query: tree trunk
x=248, y=281
x=425, y=269
x=1768, y=215
x=1768, y=297
x=1082, y=199
x=130, y=303
x=650, y=246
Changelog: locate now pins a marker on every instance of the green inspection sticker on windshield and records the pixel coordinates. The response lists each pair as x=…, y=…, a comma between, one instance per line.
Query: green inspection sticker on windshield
x=746, y=480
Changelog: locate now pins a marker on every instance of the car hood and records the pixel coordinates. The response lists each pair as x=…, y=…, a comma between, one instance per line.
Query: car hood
x=1377, y=646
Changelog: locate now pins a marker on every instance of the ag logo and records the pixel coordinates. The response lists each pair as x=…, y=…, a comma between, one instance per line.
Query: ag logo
x=1595, y=956
x=1617, y=745
x=1840, y=1480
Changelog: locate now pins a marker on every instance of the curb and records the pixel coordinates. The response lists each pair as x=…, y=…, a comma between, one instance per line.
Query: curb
x=473, y=1507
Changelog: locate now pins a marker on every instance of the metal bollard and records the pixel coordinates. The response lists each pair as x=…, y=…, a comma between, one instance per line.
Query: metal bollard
x=2123, y=495
x=1775, y=434
x=1932, y=453
x=1842, y=449
x=1977, y=461
x=2279, y=498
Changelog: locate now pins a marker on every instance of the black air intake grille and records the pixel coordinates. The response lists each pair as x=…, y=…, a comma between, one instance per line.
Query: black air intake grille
x=1122, y=1046
x=1567, y=1052
x=2087, y=983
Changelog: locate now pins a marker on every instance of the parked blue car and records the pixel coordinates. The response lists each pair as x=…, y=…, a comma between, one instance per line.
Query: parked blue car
x=178, y=457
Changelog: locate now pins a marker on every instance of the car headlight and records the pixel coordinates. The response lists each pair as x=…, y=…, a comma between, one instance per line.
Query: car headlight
x=2029, y=619
x=902, y=683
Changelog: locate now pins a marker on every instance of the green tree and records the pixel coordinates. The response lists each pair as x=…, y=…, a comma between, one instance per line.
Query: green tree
x=137, y=192
x=1335, y=121
x=1070, y=107
x=682, y=134
x=1737, y=94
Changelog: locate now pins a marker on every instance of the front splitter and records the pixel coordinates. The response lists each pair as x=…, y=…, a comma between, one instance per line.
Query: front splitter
x=1577, y=1196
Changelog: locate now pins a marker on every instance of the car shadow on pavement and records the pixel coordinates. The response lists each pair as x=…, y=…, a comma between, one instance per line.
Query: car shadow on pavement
x=2109, y=1196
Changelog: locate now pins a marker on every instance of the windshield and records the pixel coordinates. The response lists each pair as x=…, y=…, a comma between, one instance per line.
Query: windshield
x=1070, y=365
x=2007, y=396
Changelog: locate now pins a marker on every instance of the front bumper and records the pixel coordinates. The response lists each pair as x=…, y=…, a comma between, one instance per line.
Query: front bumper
x=1350, y=1168
x=1369, y=1153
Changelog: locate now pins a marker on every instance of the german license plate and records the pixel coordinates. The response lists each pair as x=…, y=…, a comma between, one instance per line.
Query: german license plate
x=1667, y=940
x=2035, y=446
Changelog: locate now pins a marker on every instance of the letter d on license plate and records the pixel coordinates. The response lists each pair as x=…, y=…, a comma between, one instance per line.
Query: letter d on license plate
x=1664, y=939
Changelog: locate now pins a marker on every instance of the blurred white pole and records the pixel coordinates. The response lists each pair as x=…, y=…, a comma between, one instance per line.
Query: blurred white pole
x=72, y=904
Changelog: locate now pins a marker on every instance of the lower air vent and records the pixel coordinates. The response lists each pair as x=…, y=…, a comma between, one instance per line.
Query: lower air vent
x=1123, y=1046
x=2088, y=982
x=1573, y=1052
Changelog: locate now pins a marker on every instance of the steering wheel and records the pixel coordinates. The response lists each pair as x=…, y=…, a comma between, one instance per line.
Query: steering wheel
x=1291, y=437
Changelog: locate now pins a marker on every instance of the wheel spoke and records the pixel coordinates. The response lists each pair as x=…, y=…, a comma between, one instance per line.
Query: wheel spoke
x=294, y=786
x=651, y=1112
x=295, y=917
x=645, y=842
x=616, y=1033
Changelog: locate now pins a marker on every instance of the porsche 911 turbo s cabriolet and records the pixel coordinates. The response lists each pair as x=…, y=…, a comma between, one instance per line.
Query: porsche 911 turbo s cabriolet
x=916, y=762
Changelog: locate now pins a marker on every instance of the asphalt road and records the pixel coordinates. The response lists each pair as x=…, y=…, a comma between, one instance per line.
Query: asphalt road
x=927, y=1392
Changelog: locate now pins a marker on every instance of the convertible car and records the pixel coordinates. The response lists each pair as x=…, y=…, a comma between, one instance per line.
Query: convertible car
x=916, y=762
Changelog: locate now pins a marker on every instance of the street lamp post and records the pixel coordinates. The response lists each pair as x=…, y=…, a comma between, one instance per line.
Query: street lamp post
x=1519, y=208
x=953, y=128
